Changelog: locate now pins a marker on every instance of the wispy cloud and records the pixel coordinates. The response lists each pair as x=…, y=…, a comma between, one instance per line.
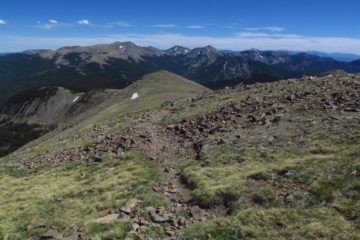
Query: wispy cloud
x=53, y=21
x=263, y=34
x=238, y=41
x=50, y=24
x=2, y=22
x=84, y=22
x=270, y=29
x=164, y=25
x=195, y=26
x=117, y=24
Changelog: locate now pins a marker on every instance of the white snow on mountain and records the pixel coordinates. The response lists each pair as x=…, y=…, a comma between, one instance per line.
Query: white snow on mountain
x=75, y=99
x=134, y=96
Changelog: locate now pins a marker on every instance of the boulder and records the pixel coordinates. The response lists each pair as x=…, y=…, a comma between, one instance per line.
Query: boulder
x=157, y=218
x=132, y=203
x=125, y=209
x=107, y=219
x=41, y=224
x=135, y=226
x=50, y=234
x=125, y=217
x=196, y=212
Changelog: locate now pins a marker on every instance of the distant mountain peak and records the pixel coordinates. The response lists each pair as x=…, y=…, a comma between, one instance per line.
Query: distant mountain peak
x=177, y=50
x=35, y=51
x=208, y=50
x=254, y=50
x=68, y=48
x=125, y=44
x=99, y=53
x=45, y=53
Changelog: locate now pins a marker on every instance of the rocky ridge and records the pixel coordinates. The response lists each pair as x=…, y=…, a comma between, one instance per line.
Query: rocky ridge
x=169, y=146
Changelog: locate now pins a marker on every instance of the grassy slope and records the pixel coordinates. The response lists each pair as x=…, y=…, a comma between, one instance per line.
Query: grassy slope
x=320, y=201
x=73, y=194
x=77, y=194
x=154, y=90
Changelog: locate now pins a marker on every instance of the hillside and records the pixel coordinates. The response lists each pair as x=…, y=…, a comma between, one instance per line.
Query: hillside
x=119, y=64
x=267, y=161
x=42, y=109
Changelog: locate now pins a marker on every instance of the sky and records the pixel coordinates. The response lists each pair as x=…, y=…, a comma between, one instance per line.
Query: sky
x=299, y=25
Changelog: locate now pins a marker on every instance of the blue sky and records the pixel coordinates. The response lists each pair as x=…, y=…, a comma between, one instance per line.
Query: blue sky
x=323, y=25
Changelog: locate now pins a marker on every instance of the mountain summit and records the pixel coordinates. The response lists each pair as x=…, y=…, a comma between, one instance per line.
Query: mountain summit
x=98, y=53
x=119, y=64
x=177, y=50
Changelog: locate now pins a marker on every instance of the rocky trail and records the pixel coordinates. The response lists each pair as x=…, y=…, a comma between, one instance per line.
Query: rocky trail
x=167, y=151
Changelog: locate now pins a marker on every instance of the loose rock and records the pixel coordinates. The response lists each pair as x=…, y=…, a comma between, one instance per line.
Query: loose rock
x=107, y=219
x=196, y=212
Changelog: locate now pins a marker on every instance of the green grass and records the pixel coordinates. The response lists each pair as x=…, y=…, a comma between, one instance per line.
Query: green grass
x=223, y=169
x=115, y=230
x=74, y=194
x=277, y=223
x=320, y=201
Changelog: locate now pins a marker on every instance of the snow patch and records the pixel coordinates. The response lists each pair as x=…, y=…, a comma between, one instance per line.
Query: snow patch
x=134, y=96
x=75, y=99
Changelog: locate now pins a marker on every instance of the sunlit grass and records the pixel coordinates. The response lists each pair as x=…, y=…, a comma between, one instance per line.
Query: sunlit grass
x=75, y=194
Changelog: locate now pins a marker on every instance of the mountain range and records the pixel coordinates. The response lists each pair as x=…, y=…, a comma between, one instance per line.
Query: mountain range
x=344, y=57
x=119, y=64
x=99, y=142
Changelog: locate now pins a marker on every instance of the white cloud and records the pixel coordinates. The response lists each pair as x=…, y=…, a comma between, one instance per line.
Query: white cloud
x=195, y=26
x=84, y=22
x=51, y=24
x=117, y=24
x=164, y=26
x=2, y=22
x=53, y=21
x=262, y=34
x=239, y=41
x=270, y=29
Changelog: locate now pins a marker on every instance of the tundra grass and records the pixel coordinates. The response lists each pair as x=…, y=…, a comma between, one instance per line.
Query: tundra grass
x=245, y=170
x=277, y=223
x=73, y=195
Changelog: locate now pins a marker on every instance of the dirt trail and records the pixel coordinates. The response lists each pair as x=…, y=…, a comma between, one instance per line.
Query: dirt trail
x=168, y=152
x=164, y=149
